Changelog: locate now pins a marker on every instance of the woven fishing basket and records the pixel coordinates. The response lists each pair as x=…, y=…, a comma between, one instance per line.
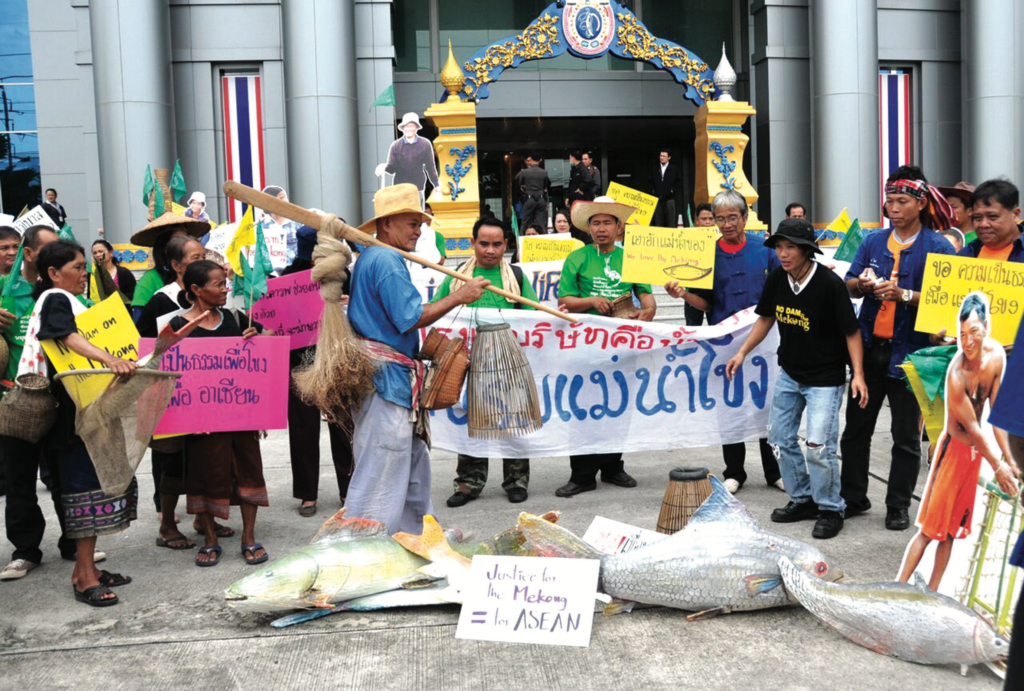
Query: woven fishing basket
x=687, y=489
x=443, y=386
x=29, y=410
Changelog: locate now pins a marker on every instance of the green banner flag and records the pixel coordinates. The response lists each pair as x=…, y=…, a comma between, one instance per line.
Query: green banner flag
x=147, y=186
x=14, y=278
x=848, y=248
x=65, y=234
x=386, y=98
x=177, y=183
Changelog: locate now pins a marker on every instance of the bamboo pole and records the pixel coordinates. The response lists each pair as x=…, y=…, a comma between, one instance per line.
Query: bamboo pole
x=309, y=218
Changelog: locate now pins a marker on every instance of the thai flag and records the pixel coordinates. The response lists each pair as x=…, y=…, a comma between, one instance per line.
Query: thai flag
x=243, y=135
x=894, y=122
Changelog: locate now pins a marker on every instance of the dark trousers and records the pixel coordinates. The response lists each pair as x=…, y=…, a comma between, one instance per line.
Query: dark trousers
x=304, y=446
x=855, y=445
x=736, y=454
x=471, y=474
x=694, y=317
x=535, y=211
x=665, y=214
x=23, y=517
x=584, y=468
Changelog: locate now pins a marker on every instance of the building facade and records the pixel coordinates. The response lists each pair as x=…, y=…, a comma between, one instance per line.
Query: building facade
x=122, y=85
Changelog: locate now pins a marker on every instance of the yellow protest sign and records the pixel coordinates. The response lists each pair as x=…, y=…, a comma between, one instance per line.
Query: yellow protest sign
x=949, y=279
x=644, y=203
x=177, y=208
x=658, y=255
x=541, y=248
x=109, y=327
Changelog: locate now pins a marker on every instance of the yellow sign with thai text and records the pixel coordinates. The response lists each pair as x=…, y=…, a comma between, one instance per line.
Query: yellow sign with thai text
x=109, y=327
x=949, y=279
x=540, y=248
x=644, y=203
x=659, y=255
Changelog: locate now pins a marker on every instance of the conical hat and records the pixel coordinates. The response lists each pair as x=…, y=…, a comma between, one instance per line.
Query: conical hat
x=167, y=223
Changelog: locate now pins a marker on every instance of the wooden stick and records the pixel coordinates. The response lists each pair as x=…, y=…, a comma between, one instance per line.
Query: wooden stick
x=298, y=214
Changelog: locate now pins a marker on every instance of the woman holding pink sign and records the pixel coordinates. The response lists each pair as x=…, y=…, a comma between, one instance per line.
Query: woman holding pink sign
x=221, y=468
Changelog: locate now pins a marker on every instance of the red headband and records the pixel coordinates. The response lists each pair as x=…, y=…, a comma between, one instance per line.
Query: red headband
x=915, y=188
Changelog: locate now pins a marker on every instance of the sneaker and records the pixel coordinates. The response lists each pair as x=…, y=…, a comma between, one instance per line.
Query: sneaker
x=732, y=485
x=17, y=569
x=459, y=499
x=828, y=525
x=621, y=479
x=793, y=512
x=896, y=519
x=517, y=495
x=570, y=489
x=779, y=485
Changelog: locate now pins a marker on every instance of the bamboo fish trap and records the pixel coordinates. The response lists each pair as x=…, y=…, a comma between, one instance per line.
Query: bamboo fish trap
x=502, y=396
x=687, y=489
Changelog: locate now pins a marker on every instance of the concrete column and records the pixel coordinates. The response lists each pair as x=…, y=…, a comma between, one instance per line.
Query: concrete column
x=375, y=72
x=320, y=105
x=131, y=49
x=844, y=108
x=994, y=88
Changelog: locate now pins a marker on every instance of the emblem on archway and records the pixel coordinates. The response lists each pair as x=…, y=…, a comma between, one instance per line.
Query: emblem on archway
x=589, y=26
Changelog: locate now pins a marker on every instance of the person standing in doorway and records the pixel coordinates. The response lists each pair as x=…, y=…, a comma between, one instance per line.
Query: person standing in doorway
x=595, y=172
x=533, y=183
x=580, y=188
x=666, y=181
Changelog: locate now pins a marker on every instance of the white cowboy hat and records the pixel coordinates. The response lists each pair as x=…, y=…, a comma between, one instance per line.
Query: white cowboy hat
x=582, y=211
x=413, y=118
x=197, y=197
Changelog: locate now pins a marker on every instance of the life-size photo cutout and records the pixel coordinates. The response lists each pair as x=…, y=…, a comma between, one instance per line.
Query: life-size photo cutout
x=410, y=158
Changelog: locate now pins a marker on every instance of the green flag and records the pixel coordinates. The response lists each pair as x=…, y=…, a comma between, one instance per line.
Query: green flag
x=848, y=248
x=178, y=188
x=689, y=217
x=970, y=237
x=386, y=98
x=252, y=282
x=66, y=234
x=13, y=279
x=147, y=186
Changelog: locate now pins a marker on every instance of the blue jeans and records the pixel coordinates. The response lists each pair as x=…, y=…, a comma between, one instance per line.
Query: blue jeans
x=816, y=477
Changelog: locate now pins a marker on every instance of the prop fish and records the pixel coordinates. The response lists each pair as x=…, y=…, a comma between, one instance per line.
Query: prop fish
x=722, y=561
x=687, y=272
x=908, y=622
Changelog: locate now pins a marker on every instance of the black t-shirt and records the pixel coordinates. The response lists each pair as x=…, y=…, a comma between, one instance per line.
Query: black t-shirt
x=57, y=320
x=813, y=326
x=159, y=305
x=233, y=325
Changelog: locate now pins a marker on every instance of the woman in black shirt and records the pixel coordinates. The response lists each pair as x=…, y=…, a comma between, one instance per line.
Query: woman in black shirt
x=105, y=261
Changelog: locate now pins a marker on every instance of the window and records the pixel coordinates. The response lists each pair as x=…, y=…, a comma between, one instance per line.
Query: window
x=700, y=26
x=410, y=24
x=19, y=138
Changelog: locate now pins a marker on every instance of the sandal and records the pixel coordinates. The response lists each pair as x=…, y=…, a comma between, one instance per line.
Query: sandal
x=251, y=559
x=308, y=510
x=222, y=530
x=212, y=554
x=175, y=543
x=112, y=580
x=94, y=596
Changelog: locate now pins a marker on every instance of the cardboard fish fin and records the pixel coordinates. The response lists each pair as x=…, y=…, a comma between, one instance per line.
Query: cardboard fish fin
x=758, y=584
x=721, y=506
x=545, y=539
x=337, y=527
x=431, y=544
x=617, y=606
x=919, y=582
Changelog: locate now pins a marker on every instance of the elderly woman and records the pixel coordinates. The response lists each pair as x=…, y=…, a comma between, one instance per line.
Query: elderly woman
x=104, y=260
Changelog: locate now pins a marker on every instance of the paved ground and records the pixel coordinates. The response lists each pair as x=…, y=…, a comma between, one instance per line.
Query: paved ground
x=172, y=629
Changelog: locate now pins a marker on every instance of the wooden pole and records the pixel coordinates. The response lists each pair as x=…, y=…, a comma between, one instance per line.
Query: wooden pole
x=309, y=218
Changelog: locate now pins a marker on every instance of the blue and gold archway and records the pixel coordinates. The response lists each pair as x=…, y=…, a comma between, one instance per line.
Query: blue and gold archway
x=587, y=29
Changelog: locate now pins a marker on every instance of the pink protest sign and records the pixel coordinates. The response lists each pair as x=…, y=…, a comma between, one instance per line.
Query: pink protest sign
x=228, y=384
x=291, y=307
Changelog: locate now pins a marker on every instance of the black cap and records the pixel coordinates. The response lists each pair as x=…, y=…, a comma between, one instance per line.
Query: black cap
x=799, y=231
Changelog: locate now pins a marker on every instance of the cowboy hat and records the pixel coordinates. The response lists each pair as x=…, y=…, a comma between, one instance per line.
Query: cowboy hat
x=582, y=211
x=413, y=118
x=403, y=198
x=799, y=231
x=962, y=189
x=166, y=223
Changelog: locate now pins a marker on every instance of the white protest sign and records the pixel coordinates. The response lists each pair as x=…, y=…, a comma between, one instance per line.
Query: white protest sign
x=35, y=217
x=544, y=277
x=613, y=537
x=6, y=219
x=220, y=238
x=529, y=600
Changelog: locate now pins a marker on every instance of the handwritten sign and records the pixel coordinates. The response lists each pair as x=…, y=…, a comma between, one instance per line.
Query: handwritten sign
x=292, y=307
x=109, y=327
x=544, y=277
x=949, y=279
x=35, y=217
x=658, y=255
x=528, y=600
x=545, y=248
x=613, y=537
x=228, y=384
x=644, y=203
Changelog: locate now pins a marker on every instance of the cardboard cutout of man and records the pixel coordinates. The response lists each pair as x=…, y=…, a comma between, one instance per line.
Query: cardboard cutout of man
x=411, y=157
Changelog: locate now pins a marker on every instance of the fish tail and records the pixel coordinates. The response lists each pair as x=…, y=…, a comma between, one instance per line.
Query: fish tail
x=545, y=539
x=617, y=606
x=431, y=544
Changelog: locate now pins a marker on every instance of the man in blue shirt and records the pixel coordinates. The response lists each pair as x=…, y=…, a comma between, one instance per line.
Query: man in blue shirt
x=996, y=220
x=887, y=272
x=391, y=481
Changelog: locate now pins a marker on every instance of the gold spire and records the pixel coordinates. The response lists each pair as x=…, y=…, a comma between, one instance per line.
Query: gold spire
x=451, y=74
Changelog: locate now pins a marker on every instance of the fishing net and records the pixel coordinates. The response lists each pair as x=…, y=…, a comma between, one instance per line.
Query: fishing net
x=118, y=425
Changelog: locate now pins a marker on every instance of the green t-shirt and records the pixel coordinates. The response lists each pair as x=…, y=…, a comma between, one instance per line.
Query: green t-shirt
x=439, y=241
x=147, y=287
x=587, y=274
x=490, y=300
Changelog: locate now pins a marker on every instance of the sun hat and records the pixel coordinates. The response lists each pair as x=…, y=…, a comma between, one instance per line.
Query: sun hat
x=166, y=223
x=413, y=118
x=197, y=197
x=582, y=211
x=963, y=190
x=403, y=198
x=799, y=231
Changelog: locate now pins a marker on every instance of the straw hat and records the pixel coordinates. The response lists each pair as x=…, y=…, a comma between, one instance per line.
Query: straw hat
x=582, y=211
x=391, y=201
x=166, y=223
x=413, y=118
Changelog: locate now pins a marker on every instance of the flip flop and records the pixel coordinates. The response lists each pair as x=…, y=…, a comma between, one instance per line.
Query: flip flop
x=251, y=559
x=175, y=543
x=209, y=551
x=222, y=530
x=112, y=580
x=94, y=596
x=308, y=511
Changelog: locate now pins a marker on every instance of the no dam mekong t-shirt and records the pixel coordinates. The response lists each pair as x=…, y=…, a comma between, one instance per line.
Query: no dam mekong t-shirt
x=813, y=326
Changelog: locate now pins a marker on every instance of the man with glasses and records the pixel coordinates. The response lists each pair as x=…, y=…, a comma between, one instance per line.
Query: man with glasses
x=742, y=263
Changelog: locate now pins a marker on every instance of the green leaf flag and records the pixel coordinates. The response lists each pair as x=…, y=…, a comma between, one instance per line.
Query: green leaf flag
x=386, y=98
x=65, y=234
x=147, y=186
x=13, y=279
x=178, y=188
x=848, y=248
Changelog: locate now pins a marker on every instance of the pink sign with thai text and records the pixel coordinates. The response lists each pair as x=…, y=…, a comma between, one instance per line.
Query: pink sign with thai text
x=228, y=384
x=291, y=307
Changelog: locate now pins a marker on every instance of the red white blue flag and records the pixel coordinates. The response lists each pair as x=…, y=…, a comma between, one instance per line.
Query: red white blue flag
x=243, y=135
x=894, y=122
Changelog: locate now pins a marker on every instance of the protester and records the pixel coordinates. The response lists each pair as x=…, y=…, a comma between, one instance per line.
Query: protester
x=488, y=262
x=304, y=419
x=156, y=235
x=197, y=207
x=955, y=238
x=887, y=272
x=796, y=210
x=279, y=233
x=995, y=215
x=534, y=184
x=221, y=468
x=88, y=511
x=591, y=279
x=54, y=210
x=561, y=221
x=534, y=229
x=818, y=338
x=10, y=240
x=665, y=181
x=742, y=264
x=391, y=481
x=122, y=279
x=959, y=198
x=973, y=379
x=705, y=216
x=439, y=239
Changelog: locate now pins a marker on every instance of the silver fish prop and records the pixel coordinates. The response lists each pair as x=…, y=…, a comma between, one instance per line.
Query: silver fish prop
x=721, y=562
x=908, y=622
